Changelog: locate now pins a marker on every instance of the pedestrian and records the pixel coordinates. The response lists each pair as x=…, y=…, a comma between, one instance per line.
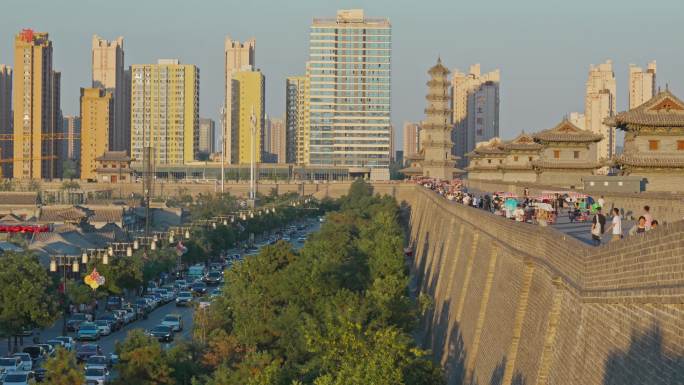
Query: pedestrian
x=597, y=226
x=616, y=225
x=602, y=201
x=519, y=214
x=647, y=216
x=654, y=224
x=640, y=226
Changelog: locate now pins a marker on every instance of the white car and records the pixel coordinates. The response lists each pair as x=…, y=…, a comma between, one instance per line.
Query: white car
x=67, y=342
x=96, y=362
x=26, y=361
x=96, y=376
x=174, y=321
x=10, y=364
x=18, y=378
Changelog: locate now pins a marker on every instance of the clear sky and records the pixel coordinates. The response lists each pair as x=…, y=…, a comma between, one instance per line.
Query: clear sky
x=543, y=47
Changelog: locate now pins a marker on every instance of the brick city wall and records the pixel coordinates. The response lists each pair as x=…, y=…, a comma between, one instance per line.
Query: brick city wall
x=666, y=207
x=519, y=304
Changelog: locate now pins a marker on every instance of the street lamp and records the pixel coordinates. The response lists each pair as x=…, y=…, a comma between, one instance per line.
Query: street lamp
x=53, y=269
x=187, y=234
x=75, y=267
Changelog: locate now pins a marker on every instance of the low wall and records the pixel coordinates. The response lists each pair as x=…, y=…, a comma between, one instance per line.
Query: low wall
x=666, y=207
x=520, y=304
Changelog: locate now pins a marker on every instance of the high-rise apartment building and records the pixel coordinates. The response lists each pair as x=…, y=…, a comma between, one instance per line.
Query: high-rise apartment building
x=109, y=74
x=349, y=72
x=275, y=140
x=97, y=120
x=600, y=103
x=475, y=108
x=248, y=103
x=297, y=119
x=642, y=84
x=72, y=130
x=165, y=111
x=236, y=56
x=58, y=144
x=6, y=118
x=411, y=136
x=207, y=136
x=577, y=119
x=33, y=86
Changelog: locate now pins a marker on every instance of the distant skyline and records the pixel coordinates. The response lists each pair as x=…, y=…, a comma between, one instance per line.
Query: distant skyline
x=543, y=48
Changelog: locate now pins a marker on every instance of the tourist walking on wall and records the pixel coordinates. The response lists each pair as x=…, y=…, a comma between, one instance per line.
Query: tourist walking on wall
x=598, y=224
x=640, y=226
x=616, y=225
x=648, y=217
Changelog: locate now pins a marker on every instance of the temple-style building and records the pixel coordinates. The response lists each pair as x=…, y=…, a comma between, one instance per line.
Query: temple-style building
x=654, y=142
x=435, y=159
x=521, y=153
x=568, y=154
x=485, y=161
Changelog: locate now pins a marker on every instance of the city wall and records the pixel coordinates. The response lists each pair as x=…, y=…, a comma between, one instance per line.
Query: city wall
x=665, y=206
x=521, y=304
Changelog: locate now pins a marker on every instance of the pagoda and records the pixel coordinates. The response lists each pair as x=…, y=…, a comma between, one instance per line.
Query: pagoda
x=435, y=159
x=654, y=142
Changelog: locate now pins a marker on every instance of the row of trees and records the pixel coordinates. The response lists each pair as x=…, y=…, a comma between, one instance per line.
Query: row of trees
x=335, y=313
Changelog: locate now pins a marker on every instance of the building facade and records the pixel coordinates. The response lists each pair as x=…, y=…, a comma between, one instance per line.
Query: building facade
x=72, y=129
x=207, y=136
x=34, y=154
x=236, y=56
x=248, y=103
x=435, y=159
x=599, y=104
x=109, y=74
x=6, y=119
x=114, y=167
x=297, y=119
x=349, y=72
x=165, y=111
x=411, y=136
x=97, y=120
x=475, y=108
x=654, y=142
x=275, y=141
x=642, y=84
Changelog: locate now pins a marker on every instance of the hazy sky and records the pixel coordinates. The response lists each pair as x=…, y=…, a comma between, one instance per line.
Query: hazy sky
x=543, y=47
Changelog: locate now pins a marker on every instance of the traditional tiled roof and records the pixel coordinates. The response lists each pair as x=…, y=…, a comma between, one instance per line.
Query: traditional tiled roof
x=523, y=142
x=106, y=214
x=663, y=110
x=564, y=165
x=10, y=218
x=565, y=131
x=438, y=68
x=121, y=156
x=660, y=161
x=516, y=167
x=10, y=198
x=491, y=147
x=61, y=214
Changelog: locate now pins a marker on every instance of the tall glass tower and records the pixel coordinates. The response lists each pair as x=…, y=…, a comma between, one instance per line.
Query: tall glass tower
x=349, y=72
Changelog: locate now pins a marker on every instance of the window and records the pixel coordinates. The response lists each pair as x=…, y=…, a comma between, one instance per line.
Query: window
x=680, y=145
x=529, y=158
x=515, y=158
x=556, y=154
x=653, y=145
x=575, y=154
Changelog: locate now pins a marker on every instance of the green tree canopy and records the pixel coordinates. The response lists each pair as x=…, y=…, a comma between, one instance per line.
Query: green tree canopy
x=62, y=369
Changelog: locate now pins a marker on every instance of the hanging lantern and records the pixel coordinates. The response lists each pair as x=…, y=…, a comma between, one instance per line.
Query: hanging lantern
x=110, y=251
x=213, y=225
x=232, y=219
x=155, y=238
x=171, y=238
x=74, y=266
x=84, y=258
x=187, y=234
x=105, y=259
x=136, y=245
x=225, y=222
x=153, y=245
x=129, y=251
x=53, y=265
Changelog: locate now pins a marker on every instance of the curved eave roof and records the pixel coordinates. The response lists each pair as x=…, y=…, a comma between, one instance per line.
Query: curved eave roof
x=565, y=131
x=650, y=162
x=663, y=110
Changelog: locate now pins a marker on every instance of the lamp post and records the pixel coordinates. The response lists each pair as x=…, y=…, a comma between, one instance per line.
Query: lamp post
x=54, y=268
x=252, y=121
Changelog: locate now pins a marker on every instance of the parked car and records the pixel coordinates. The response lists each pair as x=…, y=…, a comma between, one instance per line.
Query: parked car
x=18, y=378
x=161, y=333
x=75, y=320
x=153, y=300
x=114, y=303
x=68, y=342
x=96, y=362
x=48, y=349
x=56, y=344
x=175, y=321
x=116, y=322
x=181, y=284
x=36, y=352
x=85, y=351
x=130, y=315
x=88, y=331
x=104, y=327
x=199, y=288
x=26, y=361
x=123, y=315
x=96, y=376
x=184, y=298
x=143, y=305
x=10, y=364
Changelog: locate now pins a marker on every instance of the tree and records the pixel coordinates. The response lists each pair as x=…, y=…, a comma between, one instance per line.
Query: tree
x=69, y=169
x=26, y=294
x=62, y=369
x=142, y=361
x=70, y=185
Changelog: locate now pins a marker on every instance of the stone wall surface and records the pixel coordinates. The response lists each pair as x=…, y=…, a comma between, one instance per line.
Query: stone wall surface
x=665, y=206
x=519, y=304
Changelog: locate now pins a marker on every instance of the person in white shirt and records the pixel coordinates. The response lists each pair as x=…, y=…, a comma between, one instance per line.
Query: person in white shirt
x=602, y=202
x=519, y=214
x=616, y=225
